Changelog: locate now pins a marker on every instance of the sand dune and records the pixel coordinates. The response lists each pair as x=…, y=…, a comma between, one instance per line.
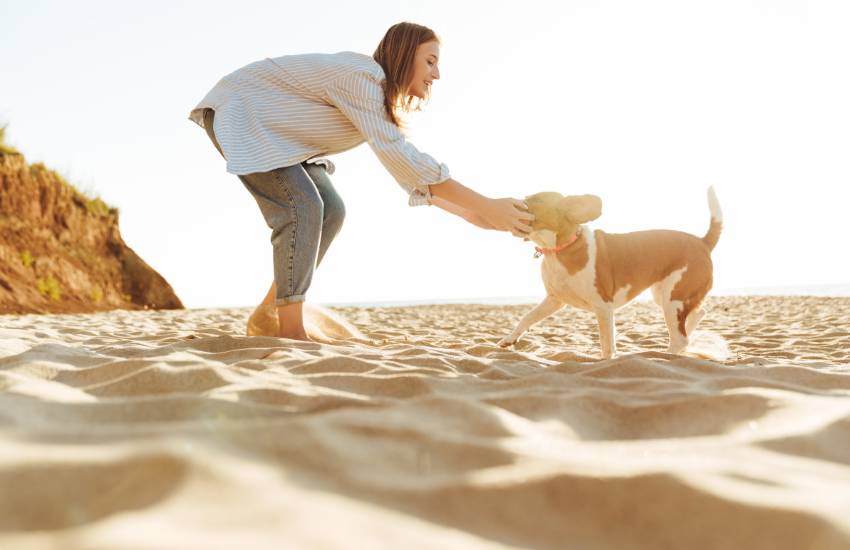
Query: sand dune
x=160, y=429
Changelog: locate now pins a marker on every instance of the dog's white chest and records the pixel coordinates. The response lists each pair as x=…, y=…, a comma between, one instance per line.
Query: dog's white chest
x=576, y=289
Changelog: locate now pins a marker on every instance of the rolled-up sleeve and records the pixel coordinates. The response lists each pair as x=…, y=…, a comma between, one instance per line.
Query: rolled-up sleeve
x=360, y=98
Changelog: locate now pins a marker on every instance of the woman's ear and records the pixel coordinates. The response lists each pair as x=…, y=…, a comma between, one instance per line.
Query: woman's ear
x=581, y=208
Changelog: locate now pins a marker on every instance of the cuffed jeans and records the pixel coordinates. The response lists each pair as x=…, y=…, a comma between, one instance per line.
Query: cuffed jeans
x=304, y=212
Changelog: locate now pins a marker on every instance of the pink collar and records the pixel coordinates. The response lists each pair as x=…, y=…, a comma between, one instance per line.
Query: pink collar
x=542, y=251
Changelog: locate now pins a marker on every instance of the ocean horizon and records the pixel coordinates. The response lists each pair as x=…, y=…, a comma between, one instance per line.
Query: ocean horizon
x=824, y=290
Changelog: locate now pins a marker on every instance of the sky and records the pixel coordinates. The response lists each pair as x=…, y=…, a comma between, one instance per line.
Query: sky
x=644, y=104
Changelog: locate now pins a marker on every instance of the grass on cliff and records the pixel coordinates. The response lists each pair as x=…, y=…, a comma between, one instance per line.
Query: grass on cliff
x=93, y=204
x=49, y=288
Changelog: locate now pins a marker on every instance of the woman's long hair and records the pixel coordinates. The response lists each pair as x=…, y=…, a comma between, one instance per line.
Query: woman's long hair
x=395, y=54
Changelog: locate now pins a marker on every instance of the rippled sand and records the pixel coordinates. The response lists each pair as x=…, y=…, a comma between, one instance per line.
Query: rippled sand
x=172, y=430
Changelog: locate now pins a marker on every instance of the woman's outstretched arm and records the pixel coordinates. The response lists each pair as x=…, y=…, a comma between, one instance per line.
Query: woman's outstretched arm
x=467, y=215
x=501, y=214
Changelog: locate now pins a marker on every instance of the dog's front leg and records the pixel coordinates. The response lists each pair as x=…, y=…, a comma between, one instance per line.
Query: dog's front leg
x=547, y=307
x=607, y=332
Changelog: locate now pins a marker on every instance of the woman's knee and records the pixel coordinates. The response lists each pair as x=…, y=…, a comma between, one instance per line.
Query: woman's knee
x=334, y=208
x=334, y=215
x=310, y=208
x=302, y=199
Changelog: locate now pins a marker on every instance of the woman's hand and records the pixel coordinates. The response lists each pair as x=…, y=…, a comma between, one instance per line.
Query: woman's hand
x=507, y=215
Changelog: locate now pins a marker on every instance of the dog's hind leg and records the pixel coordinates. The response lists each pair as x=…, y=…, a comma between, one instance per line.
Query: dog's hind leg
x=547, y=307
x=680, y=296
x=678, y=340
x=671, y=317
x=693, y=320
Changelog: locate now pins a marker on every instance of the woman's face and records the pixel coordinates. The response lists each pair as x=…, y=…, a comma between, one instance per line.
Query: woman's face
x=425, y=69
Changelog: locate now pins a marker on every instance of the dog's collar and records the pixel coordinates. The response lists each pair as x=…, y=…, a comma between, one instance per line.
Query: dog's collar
x=542, y=251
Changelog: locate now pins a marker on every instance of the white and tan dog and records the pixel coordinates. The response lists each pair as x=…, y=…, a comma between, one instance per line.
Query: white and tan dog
x=601, y=272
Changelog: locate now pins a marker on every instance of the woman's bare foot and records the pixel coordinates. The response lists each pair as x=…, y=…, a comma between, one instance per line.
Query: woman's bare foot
x=291, y=322
x=303, y=336
x=295, y=335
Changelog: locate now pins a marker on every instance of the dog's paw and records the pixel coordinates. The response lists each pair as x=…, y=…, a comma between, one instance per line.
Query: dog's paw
x=506, y=342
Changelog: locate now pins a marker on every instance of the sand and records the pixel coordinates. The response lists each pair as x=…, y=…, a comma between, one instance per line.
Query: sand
x=171, y=429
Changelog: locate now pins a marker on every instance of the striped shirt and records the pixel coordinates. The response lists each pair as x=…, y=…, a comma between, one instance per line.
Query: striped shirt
x=285, y=110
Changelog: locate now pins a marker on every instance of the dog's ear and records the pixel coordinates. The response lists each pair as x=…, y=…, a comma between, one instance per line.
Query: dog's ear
x=581, y=208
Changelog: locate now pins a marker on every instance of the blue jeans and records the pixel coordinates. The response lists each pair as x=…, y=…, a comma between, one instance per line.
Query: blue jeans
x=304, y=212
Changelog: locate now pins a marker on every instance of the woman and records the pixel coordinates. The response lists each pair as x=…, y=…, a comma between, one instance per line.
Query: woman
x=272, y=120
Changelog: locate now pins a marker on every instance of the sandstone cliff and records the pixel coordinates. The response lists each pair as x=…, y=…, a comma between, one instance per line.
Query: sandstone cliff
x=62, y=252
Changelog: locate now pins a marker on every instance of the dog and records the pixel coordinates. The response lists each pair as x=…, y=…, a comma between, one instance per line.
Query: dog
x=601, y=272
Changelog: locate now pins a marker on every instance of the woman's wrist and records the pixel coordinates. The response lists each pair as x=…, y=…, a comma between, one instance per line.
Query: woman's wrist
x=468, y=215
x=457, y=193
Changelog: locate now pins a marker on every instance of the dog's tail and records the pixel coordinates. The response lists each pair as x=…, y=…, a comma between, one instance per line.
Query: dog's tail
x=716, y=226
